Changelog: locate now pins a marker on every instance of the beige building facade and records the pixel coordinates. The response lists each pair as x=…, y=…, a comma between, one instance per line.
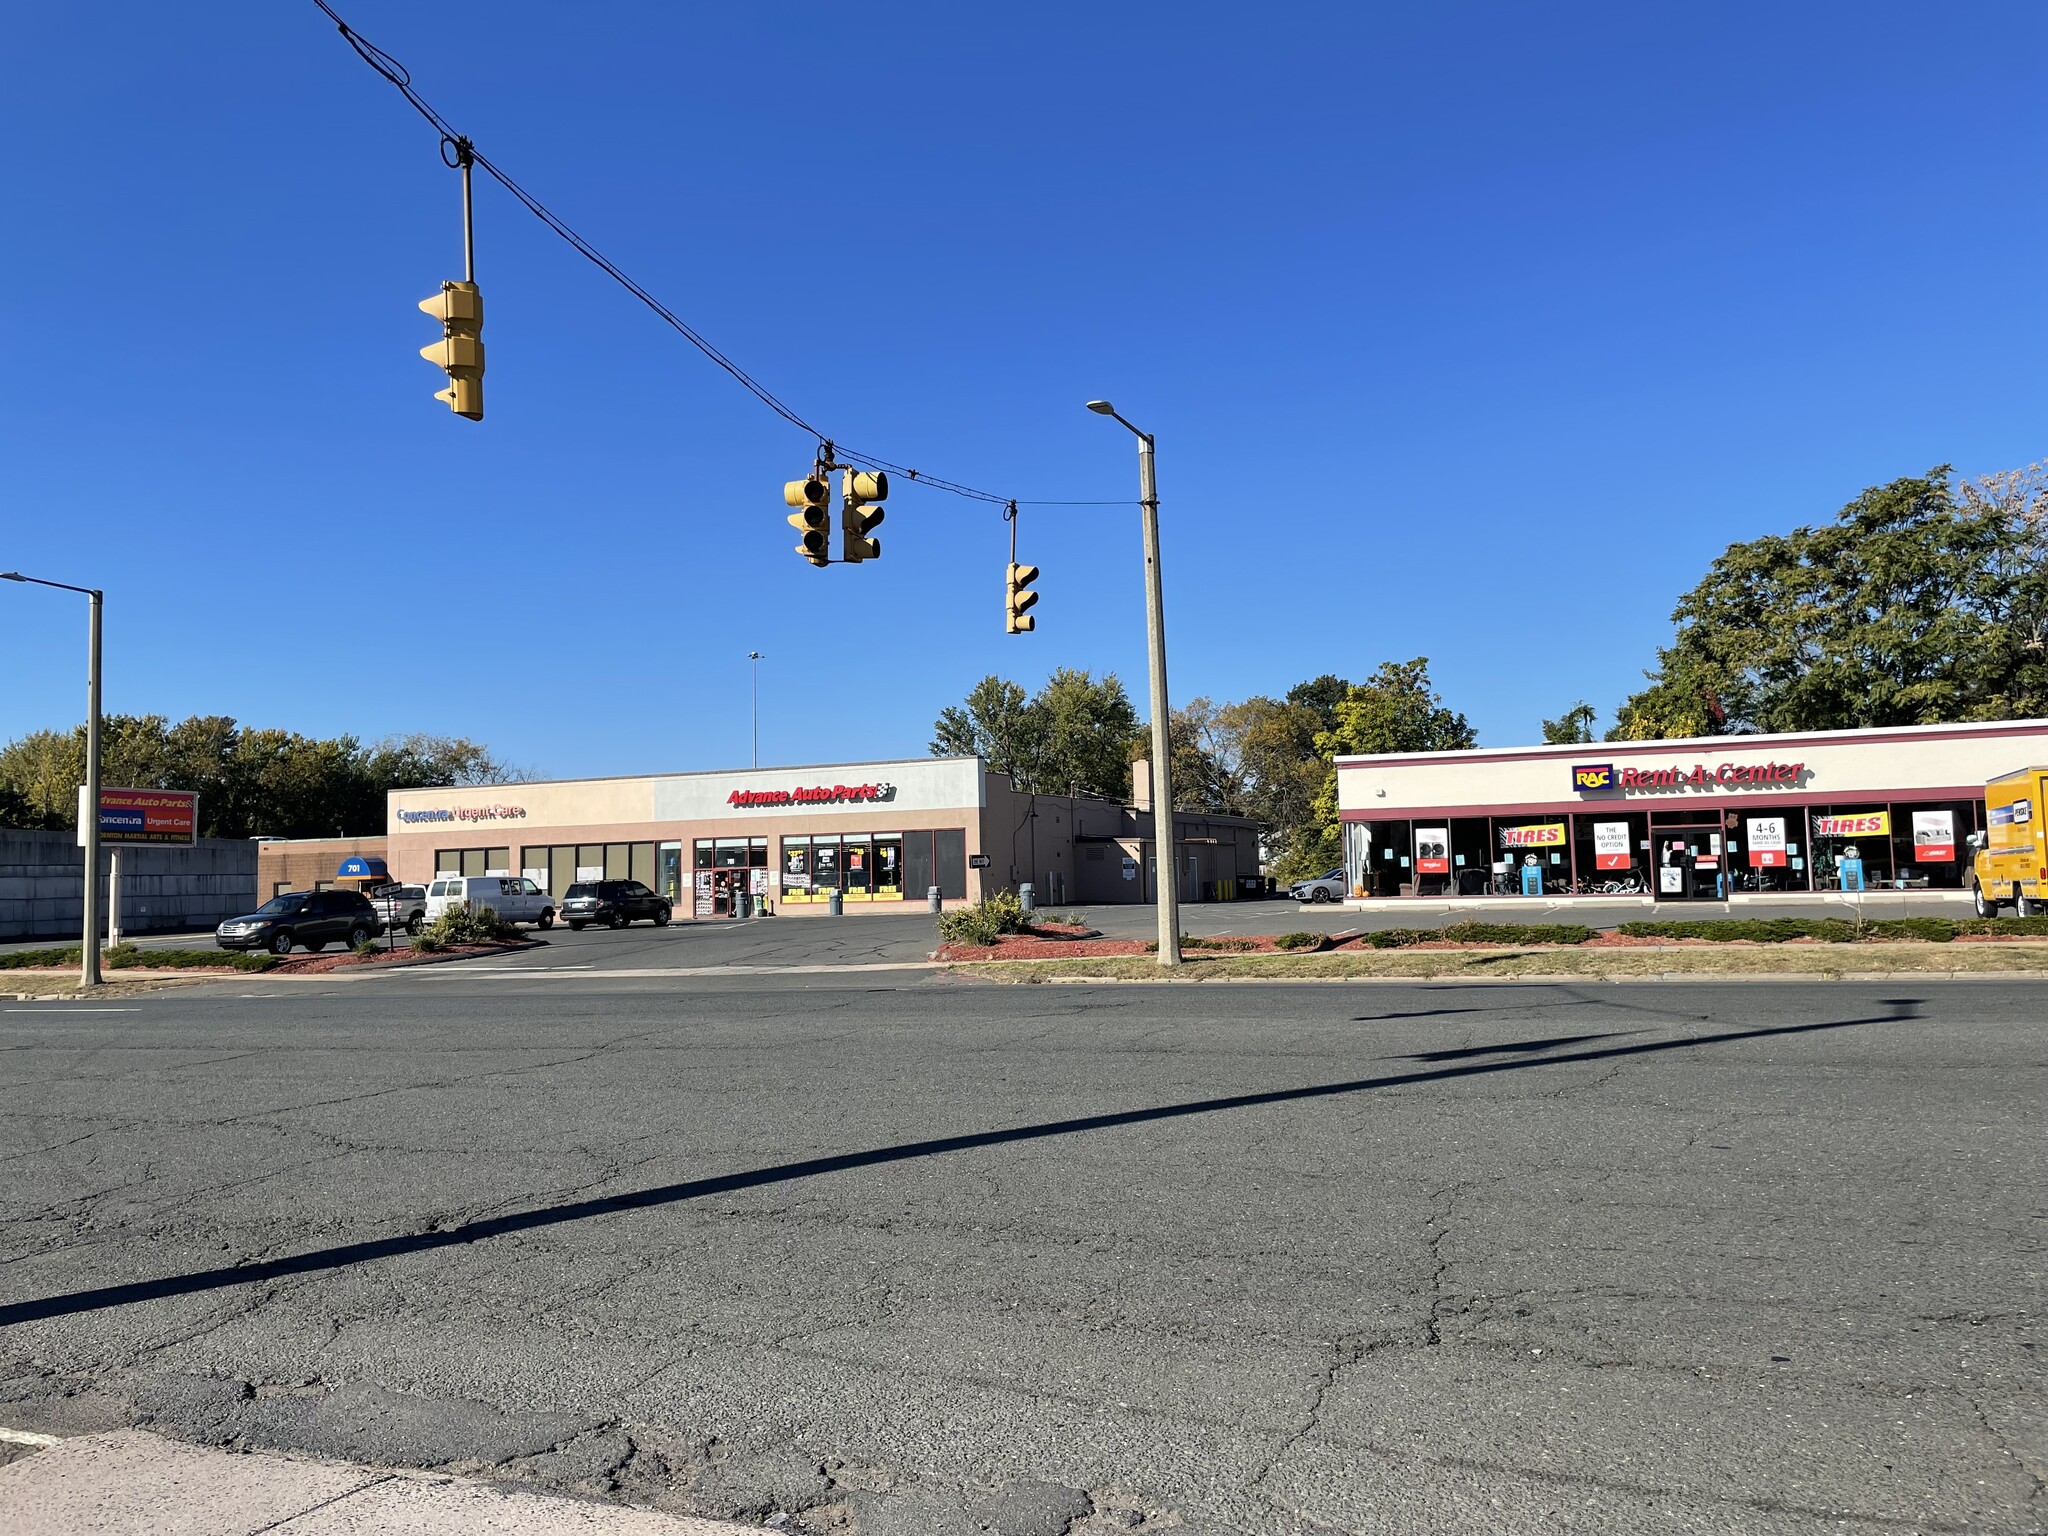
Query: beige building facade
x=1702, y=818
x=877, y=834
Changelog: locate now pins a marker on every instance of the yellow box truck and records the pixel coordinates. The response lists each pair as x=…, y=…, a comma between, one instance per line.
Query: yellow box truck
x=2010, y=862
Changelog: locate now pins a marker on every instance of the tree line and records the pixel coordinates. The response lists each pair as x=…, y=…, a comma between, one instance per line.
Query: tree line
x=1270, y=759
x=251, y=782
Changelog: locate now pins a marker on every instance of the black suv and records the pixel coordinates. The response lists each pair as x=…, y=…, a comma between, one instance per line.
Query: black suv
x=313, y=919
x=614, y=903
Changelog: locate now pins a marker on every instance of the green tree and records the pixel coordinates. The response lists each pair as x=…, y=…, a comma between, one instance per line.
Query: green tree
x=1924, y=601
x=995, y=724
x=1072, y=736
x=1574, y=725
x=1394, y=710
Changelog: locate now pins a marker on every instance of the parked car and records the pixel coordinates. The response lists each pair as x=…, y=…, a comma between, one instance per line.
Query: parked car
x=614, y=903
x=401, y=906
x=303, y=919
x=513, y=897
x=1328, y=887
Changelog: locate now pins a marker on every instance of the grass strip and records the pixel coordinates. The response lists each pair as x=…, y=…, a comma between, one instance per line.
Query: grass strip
x=1828, y=960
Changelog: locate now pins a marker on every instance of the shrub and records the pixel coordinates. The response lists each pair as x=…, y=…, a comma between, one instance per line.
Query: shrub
x=465, y=924
x=984, y=922
x=124, y=956
x=1481, y=933
x=1300, y=940
x=1238, y=946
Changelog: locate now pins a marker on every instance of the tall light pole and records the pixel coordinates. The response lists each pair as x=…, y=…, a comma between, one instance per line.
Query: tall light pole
x=755, y=658
x=89, y=811
x=1155, y=644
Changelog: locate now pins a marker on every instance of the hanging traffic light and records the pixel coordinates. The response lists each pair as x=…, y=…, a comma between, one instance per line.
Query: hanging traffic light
x=812, y=520
x=460, y=352
x=1018, y=621
x=859, y=489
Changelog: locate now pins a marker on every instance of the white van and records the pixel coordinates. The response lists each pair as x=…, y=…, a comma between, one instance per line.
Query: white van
x=513, y=897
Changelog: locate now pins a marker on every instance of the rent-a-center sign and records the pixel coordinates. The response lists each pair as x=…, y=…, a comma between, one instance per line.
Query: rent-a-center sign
x=1587, y=777
x=812, y=794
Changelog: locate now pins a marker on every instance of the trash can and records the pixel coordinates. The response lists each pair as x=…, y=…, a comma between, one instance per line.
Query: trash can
x=835, y=904
x=1026, y=897
x=746, y=904
x=934, y=902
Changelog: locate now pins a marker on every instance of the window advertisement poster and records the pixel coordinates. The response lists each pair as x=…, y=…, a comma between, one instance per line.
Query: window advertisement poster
x=1548, y=835
x=1860, y=824
x=1934, y=837
x=1432, y=850
x=1766, y=842
x=1610, y=845
x=705, y=898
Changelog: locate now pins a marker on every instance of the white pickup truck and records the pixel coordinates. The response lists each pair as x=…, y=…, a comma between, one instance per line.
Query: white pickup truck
x=513, y=897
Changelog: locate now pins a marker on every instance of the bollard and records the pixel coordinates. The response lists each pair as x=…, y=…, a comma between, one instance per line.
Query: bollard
x=1025, y=897
x=933, y=901
x=835, y=904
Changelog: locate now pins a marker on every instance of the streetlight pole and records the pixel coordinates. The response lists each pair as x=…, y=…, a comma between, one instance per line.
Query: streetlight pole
x=755, y=658
x=1155, y=645
x=89, y=809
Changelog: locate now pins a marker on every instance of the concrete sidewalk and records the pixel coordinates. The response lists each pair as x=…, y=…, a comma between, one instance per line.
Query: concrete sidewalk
x=132, y=1483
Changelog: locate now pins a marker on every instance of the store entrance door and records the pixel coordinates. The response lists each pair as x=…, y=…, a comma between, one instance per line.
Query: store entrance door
x=726, y=888
x=1692, y=864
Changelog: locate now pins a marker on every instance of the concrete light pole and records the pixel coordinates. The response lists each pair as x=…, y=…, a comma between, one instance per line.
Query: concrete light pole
x=755, y=658
x=89, y=808
x=1155, y=643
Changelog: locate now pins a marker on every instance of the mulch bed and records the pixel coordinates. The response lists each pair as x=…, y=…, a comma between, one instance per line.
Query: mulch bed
x=320, y=965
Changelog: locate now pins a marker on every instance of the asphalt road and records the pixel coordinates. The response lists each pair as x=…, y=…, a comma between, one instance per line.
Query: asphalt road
x=937, y=1257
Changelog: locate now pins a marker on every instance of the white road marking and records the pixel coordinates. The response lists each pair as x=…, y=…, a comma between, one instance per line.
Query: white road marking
x=68, y=1009
x=451, y=973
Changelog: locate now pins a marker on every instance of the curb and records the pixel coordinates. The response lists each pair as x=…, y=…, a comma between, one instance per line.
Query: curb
x=129, y=1482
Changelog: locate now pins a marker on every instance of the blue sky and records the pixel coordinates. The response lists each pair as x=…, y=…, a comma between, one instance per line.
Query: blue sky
x=1468, y=331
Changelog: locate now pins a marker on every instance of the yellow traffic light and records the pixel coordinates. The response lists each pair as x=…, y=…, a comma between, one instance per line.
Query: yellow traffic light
x=812, y=521
x=1018, y=621
x=859, y=489
x=460, y=352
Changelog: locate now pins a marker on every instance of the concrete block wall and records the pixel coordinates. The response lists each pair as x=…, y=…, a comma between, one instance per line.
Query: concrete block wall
x=163, y=890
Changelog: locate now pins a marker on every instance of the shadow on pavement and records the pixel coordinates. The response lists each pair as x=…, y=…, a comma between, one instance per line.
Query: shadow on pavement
x=345, y=1254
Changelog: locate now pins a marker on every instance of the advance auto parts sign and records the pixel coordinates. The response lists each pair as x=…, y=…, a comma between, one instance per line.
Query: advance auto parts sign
x=814, y=794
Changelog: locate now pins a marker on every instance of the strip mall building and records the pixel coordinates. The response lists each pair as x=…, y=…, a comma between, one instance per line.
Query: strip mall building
x=876, y=833
x=1706, y=817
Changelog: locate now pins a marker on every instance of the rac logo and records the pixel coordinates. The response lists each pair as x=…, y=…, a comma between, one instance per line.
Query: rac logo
x=1593, y=776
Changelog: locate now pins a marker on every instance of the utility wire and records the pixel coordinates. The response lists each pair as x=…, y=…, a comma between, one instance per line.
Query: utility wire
x=400, y=77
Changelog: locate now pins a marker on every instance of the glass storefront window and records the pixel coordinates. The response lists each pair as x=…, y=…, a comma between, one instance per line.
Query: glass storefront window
x=1607, y=847
x=669, y=871
x=888, y=865
x=1852, y=846
x=824, y=864
x=856, y=857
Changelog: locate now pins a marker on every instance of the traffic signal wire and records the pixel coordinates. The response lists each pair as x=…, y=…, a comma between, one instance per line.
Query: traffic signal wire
x=395, y=72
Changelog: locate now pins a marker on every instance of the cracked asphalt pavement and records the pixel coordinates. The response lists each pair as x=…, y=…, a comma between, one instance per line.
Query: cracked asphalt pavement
x=899, y=1253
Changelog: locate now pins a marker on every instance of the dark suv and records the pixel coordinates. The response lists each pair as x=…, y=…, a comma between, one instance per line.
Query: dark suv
x=614, y=903
x=311, y=919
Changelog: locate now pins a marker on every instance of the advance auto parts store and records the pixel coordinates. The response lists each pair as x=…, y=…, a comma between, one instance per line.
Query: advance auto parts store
x=874, y=832
x=1704, y=818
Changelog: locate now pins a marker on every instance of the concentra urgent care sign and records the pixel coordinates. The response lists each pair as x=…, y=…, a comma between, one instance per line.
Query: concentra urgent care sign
x=1588, y=778
x=812, y=794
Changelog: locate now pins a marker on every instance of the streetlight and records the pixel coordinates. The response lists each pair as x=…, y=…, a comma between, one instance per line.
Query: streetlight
x=755, y=658
x=89, y=811
x=1155, y=643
